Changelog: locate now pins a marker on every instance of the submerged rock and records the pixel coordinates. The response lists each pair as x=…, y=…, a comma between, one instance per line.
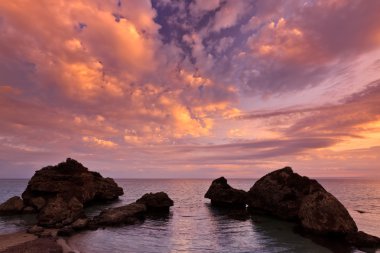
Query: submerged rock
x=129, y=214
x=159, y=201
x=14, y=205
x=222, y=194
x=363, y=240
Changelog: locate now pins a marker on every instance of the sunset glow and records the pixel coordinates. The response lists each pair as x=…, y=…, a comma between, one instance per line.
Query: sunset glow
x=198, y=89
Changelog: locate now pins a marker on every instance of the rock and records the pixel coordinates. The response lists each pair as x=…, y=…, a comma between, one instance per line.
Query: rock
x=66, y=231
x=322, y=213
x=129, y=214
x=280, y=193
x=60, y=192
x=13, y=205
x=159, y=201
x=363, y=240
x=40, y=245
x=35, y=230
x=222, y=194
x=80, y=224
x=58, y=210
x=70, y=179
x=38, y=202
x=28, y=209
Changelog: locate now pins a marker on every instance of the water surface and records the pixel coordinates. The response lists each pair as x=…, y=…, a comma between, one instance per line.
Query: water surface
x=194, y=226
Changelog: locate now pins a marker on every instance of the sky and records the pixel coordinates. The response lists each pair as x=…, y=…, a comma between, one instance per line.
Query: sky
x=192, y=88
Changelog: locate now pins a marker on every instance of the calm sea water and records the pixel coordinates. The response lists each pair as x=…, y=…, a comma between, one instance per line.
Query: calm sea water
x=193, y=226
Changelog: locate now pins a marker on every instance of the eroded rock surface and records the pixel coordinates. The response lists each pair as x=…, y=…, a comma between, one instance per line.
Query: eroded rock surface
x=287, y=195
x=222, y=194
x=129, y=214
x=59, y=193
x=321, y=212
x=280, y=193
x=14, y=205
x=159, y=201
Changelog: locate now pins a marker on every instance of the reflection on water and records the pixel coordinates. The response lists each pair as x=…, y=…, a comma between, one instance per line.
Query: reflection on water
x=194, y=226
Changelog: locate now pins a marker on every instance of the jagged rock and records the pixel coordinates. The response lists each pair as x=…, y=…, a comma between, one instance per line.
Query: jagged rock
x=222, y=194
x=80, y=224
x=60, y=192
x=69, y=179
x=280, y=193
x=322, y=213
x=38, y=202
x=58, y=210
x=129, y=214
x=363, y=240
x=14, y=205
x=159, y=201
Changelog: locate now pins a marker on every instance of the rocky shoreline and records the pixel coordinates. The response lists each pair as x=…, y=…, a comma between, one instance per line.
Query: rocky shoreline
x=58, y=196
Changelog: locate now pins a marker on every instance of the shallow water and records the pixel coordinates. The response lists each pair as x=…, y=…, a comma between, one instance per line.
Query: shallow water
x=193, y=226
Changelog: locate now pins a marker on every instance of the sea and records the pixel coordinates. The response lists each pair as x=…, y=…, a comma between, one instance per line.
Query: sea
x=194, y=226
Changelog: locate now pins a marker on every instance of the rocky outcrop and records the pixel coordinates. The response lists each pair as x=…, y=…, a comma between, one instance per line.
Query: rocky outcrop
x=59, y=212
x=287, y=195
x=321, y=212
x=222, y=194
x=69, y=179
x=280, y=193
x=156, y=202
x=59, y=193
x=129, y=214
x=14, y=205
x=151, y=203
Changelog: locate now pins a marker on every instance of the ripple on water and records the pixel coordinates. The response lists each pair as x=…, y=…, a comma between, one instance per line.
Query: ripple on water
x=193, y=226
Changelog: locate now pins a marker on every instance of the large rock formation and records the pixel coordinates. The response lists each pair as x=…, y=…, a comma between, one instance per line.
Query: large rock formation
x=287, y=195
x=156, y=202
x=222, y=194
x=59, y=193
x=280, y=193
x=69, y=179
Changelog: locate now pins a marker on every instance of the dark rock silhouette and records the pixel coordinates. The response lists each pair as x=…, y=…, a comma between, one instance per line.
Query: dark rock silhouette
x=123, y=215
x=151, y=203
x=287, y=195
x=223, y=195
x=280, y=193
x=363, y=240
x=14, y=205
x=59, y=193
x=321, y=212
x=156, y=202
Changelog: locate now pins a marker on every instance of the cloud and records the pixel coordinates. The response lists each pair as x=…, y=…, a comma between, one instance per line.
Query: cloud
x=184, y=87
